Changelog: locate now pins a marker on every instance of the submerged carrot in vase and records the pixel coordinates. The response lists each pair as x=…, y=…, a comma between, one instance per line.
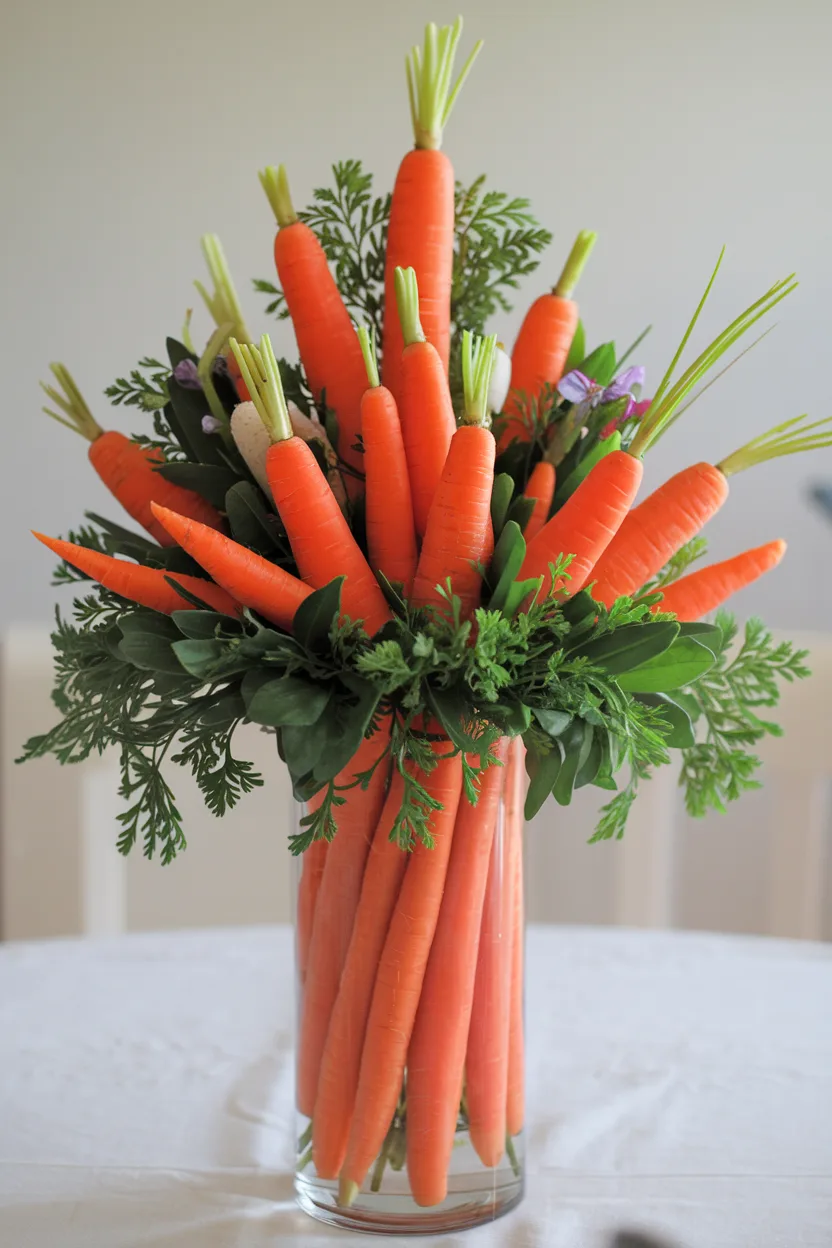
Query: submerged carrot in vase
x=329, y=350
x=388, y=506
x=458, y=531
x=149, y=587
x=696, y=594
x=252, y=580
x=398, y=984
x=127, y=470
x=543, y=343
x=311, y=873
x=320, y=537
x=421, y=230
x=341, y=1061
x=436, y=1057
x=516, y=1089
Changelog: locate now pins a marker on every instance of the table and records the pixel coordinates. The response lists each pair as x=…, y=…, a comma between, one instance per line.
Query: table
x=680, y=1083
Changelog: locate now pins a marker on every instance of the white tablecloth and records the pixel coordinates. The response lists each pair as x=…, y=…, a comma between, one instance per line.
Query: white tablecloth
x=678, y=1083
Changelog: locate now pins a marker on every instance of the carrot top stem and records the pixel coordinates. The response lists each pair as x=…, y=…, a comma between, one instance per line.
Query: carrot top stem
x=275, y=183
x=262, y=378
x=367, y=338
x=429, y=72
x=77, y=415
x=478, y=356
x=206, y=363
x=223, y=304
x=574, y=267
x=789, y=438
x=407, y=301
x=186, y=331
x=669, y=397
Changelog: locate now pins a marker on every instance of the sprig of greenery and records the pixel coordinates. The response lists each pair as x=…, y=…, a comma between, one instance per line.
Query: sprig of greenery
x=150, y=393
x=677, y=565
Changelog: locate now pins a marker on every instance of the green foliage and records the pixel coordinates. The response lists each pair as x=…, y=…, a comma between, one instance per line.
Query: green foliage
x=148, y=392
x=678, y=564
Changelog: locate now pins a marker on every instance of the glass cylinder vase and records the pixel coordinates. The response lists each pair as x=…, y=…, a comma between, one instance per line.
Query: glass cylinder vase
x=410, y=1084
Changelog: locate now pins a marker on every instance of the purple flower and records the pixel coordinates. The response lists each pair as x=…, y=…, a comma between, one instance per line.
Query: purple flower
x=187, y=376
x=210, y=424
x=587, y=394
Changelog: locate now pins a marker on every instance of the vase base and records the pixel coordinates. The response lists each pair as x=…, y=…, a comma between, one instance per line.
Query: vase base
x=396, y=1213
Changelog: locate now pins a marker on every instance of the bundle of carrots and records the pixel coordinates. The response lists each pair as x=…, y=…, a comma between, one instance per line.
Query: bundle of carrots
x=412, y=963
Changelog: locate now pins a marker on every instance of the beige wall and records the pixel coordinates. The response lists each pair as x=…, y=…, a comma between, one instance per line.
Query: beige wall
x=131, y=128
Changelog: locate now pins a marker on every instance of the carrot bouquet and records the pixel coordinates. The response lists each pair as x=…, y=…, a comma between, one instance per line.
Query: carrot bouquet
x=430, y=571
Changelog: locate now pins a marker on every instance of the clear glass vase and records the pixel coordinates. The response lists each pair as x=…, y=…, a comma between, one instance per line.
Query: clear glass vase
x=410, y=1039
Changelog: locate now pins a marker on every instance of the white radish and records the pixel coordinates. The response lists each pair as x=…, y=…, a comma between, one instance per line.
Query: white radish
x=251, y=437
x=500, y=380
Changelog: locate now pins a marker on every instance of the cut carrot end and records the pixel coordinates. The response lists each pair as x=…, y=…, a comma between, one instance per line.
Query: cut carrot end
x=69, y=400
x=347, y=1192
x=223, y=304
x=429, y=82
x=575, y=264
x=275, y=183
x=366, y=337
x=407, y=301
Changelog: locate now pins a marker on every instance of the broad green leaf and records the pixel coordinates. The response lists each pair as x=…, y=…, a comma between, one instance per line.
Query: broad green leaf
x=706, y=634
x=679, y=665
x=577, y=743
x=518, y=593
x=521, y=510
x=285, y=700
x=177, y=352
x=599, y=365
x=189, y=407
x=454, y=716
x=149, y=651
x=630, y=646
x=148, y=622
x=211, y=481
x=124, y=541
x=316, y=615
x=552, y=722
x=681, y=736
x=590, y=767
x=187, y=596
x=688, y=703
x=509, y=554
x=203, y=624
x=604, y=777
x=501, y=495
x=209, y=659
x=543, y=771
x=577, y=350
x=300, y=749
x=345, y=726
x=251, y=523
x=223, y=712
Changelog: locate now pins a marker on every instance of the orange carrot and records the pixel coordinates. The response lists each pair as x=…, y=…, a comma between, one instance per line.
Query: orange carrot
x=388, y=506
x=338, y=1080
x=421, y=229
x=515, y=787
x=486, y=1062
x=312, y=869
x=700, y=592
x=224, y=305
x=459, y=523
x=328, y=347
x=321, y=540
x=146, y=586
x=543, y=343
x=127, y=470
x=335, y=909
x=540, y=487
x=399, y=979
x=425, y=407
x=586, y=523
x=248, y=577
x=436, y=1056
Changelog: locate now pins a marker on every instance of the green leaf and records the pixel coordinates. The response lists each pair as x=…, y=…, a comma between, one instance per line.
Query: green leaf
x=346, y=724
x=577, y=350
x=577, y=743
x=521, y=510
x=124, y=541
x=506, y=563
x=224, y=711
x=552, y=722
x=501, y=495
x=709, y=635
x=251, y=523
x=177, y=352
x=189, y=407
x=591, y=766
x=316, y=615
x=209, y=659
x=518, y=593
x=629, y=647
x=543, y=770
x=284, y=700
x=203, y=624
x=150, y=651
x=599, y=365
x=679, y=665
x=211, y=481
x=681, y=736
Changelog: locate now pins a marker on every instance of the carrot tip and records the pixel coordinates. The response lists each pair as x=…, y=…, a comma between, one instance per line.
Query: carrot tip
x=347, y=1192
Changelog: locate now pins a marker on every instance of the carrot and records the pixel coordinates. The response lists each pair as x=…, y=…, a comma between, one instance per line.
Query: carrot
x=421, y=229
x=248, y=577
x=127, y=470
x=700, y=592
x=148, y=587
x=515, y=786
x=388, y=506
x=436, y=1056
x=399, y=979
x=540, y=487
x=425, y=408
x=679, y=509
x=328, y=347
x=543, y=342
x=320, y=537
x=224, y=305
x=335, y=909
x=458, y=530
x=341, y=1059
x=312, y=869
x=586, y=523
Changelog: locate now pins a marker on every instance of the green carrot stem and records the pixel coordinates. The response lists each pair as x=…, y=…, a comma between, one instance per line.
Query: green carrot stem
x=511, y=1153
x=575, y=263
x=304, y=1160
x=276, y=185
x=407, y=301
x=186, y=331
x=305, y=1139
x=77, y=416
x=206, y=363
x=366, y=337
x=262, y=377
x=477, y=366
x=429, y=74
x=789, y=438
x=223, y=304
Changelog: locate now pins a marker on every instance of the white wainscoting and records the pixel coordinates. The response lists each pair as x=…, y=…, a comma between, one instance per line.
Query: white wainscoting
x=763, y=867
